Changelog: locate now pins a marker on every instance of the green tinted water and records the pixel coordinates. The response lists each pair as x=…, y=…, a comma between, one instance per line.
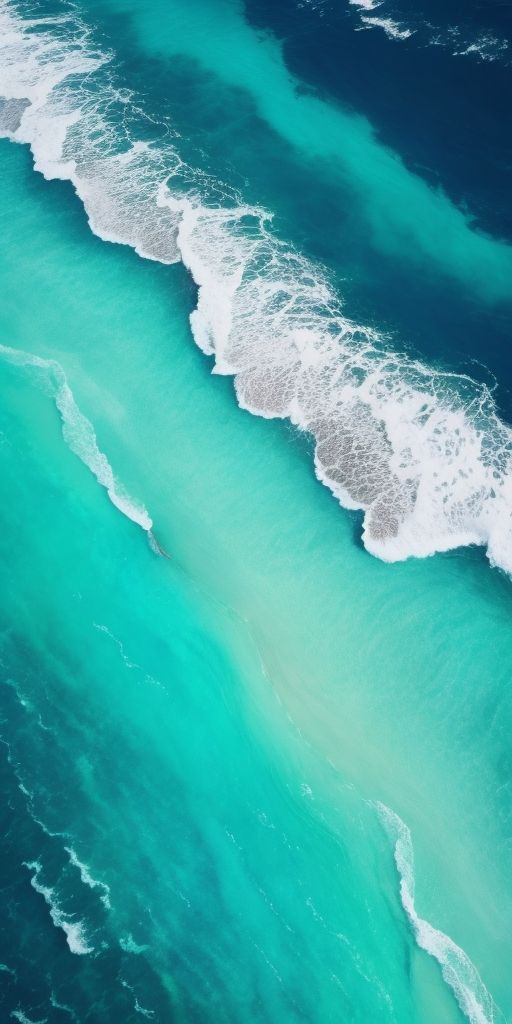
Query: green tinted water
x=192, y=797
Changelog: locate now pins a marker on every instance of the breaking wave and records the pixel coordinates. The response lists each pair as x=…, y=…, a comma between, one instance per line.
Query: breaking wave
x=73, y=930
x=77, y=430
x=457, y=969
x=421, y=452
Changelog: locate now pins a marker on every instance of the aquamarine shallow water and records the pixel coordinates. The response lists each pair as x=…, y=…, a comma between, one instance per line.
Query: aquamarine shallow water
x=223, y=722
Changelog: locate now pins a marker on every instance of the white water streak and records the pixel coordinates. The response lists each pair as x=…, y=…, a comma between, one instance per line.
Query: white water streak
x=457, y=969
x=77, y=430
x=73, y=930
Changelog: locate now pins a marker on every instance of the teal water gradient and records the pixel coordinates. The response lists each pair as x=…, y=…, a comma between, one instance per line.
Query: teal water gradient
x=246, y=555
x=210, y=733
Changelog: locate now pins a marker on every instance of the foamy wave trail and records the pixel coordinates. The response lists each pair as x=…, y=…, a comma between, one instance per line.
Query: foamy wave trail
x=73, y=930
x=457, y=969
x=22, y=1018
x=421, y=452
x=77, y=430
x=87, y=879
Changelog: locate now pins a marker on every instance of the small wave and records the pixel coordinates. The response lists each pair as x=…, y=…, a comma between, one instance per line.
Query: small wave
x=421, y=452
x=88, y=879
x=457, y=969
x=77, y=430
x=73, y=930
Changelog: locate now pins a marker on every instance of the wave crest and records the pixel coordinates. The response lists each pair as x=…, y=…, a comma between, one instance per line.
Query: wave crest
x=73, y=930
x=457, y=969
x=77, y=430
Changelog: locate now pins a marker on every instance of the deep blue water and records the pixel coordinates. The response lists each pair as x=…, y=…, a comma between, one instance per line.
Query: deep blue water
x=446, y=116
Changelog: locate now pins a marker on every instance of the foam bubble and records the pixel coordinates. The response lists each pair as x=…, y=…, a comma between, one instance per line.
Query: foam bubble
x=457, y=969
x=421, y=452
x=73, y=930
x=77, y=430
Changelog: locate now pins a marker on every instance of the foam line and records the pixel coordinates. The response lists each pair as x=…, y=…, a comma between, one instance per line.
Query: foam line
x=87, y=878
x=22, y=1018
x=73, y=930
x=77, y=430
x=457, y=969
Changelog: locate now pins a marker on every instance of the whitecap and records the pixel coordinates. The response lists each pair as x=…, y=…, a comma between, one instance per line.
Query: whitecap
x=73, y=930
x=457, y=969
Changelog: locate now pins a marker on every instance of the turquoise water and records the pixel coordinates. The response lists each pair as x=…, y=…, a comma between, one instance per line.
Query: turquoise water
x=266, y=777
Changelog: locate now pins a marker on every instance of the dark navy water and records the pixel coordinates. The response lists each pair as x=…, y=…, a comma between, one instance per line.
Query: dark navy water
x=448, y=116
x=445, y=115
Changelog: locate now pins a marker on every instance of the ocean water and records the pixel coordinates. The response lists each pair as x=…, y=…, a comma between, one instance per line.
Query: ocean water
x=256, y=759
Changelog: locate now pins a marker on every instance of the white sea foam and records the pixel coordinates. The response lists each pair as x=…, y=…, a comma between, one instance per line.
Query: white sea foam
x=421, y=452
x=77, y=430
x=127, y=942
x=136, y=1005
x=21, y=1016
x=142, y=1009
x=457, y=969
x=87, y=878
x=392, y=28
x=366, y=5
x=73, y=930
x=486, y=46
x=64, y=1007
